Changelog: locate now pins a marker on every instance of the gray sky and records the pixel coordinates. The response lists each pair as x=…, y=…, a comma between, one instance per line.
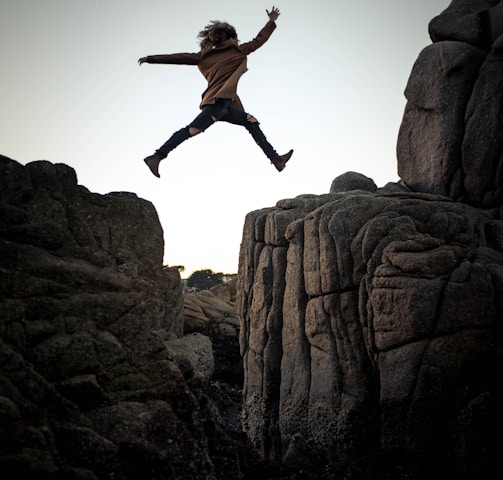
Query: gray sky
x=329, y=83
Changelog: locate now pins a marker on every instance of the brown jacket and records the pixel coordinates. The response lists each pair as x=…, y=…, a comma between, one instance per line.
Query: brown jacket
x=222, y=66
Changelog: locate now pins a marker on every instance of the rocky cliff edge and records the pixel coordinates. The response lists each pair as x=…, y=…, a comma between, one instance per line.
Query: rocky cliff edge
x=372, y=318
x=97, y=377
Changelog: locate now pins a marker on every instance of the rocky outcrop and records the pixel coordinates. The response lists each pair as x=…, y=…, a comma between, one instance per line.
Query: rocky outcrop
x=97, y=379
x=213, y=313
x=372, y=318
x=450, y=141
x=371, y=324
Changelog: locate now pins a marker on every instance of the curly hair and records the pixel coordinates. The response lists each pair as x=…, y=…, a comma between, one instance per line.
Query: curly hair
x=215, y=27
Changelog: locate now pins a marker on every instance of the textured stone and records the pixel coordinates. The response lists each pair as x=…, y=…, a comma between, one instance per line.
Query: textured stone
x=431, y=133
x=450, y=141
x=482, y=149
x=352, y=181
x=97, y=379
x=374, y=313
x=477, y=22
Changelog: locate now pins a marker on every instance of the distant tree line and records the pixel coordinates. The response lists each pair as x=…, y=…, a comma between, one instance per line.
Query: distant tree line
x=204, y=279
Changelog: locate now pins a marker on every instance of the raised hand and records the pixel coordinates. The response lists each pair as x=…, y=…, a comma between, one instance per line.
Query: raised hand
x=273, y=14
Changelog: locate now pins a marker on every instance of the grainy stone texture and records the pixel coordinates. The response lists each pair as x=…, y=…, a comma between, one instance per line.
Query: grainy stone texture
x=372, y=318
x=97, y=379
x=450, y=141
x=372, y=324
x=213, y=313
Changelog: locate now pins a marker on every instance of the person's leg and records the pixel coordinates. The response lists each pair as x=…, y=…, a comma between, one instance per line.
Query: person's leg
x=238, y=117
x=209, y=115
x=161, y=153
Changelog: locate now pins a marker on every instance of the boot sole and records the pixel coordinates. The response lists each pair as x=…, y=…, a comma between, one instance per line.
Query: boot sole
x=151, y=168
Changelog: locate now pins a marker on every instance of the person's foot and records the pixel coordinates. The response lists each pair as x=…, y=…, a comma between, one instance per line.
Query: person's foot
x=153, y=163
x=280, y=161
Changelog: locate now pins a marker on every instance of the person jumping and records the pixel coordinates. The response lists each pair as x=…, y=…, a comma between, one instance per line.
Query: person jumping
x=222, y=61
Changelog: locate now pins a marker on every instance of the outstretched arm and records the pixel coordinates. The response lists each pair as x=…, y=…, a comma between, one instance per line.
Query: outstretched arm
x=263, y=35
x=273, y=14
x=173, y=59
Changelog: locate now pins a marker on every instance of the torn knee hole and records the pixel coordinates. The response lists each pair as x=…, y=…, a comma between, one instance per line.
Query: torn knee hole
x=251, y=118
x=194, y=131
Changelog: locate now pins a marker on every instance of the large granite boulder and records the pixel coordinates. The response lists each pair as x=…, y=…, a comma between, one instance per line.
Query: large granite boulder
x=372, y=324
x=450, y=141
x=97, y=379
x=372, y=318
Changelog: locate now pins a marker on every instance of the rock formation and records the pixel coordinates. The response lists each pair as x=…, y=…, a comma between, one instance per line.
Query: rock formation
x=97, y=379
x=372, y=318
x=213, y=313
x=450, y=140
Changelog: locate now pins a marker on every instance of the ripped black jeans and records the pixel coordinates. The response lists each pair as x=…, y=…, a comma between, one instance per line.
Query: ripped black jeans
x=223, y=110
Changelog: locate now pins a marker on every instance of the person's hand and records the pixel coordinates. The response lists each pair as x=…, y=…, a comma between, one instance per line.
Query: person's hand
x=273, y=14
x=142, y=60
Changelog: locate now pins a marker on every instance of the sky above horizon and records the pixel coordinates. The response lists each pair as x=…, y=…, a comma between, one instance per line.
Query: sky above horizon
x=329, y=83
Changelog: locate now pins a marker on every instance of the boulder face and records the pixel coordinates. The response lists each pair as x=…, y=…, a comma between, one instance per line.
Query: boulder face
x=450, y=141
x=97, y=378
x=213, y=313
x=371, y=324
x=372, y=318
